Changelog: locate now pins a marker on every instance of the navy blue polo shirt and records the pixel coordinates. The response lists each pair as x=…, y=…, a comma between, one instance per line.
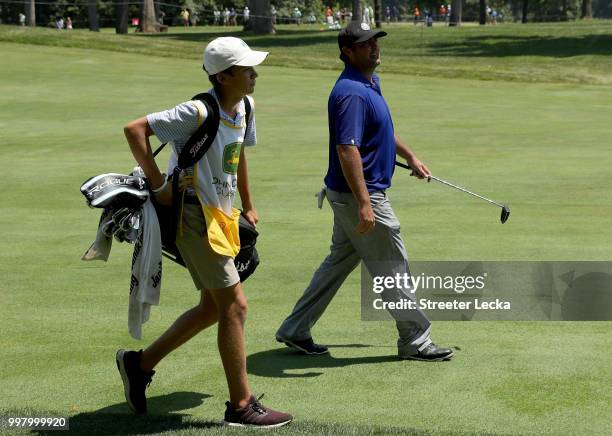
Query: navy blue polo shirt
x=358, y=115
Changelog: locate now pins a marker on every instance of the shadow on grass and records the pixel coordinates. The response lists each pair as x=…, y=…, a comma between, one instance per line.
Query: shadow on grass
x=293, y=38
x=474, y=46
x=276, y=363
x=508, y=45
x=117, y=419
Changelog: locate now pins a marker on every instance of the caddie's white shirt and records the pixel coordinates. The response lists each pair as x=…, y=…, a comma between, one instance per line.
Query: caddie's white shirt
x=215, y=175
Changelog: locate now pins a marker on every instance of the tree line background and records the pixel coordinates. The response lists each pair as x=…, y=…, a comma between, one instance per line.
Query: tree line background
x=94, y=14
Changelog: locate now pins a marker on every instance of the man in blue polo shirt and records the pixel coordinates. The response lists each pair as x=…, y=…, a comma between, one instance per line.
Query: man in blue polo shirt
x=362, y=152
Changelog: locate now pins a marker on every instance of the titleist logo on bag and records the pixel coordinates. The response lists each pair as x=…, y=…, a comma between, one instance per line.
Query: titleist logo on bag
x=194, y=150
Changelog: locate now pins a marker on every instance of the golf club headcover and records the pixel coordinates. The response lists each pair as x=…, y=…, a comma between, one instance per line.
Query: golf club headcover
x=118, y=190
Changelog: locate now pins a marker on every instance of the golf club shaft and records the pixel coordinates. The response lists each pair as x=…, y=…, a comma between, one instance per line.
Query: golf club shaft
x=399, y=164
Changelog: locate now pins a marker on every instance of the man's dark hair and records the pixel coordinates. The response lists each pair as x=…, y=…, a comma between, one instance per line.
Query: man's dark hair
x=343, y=57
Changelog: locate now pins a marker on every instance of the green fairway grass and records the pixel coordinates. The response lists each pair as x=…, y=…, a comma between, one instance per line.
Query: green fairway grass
x=541, y=147
x=575, y=52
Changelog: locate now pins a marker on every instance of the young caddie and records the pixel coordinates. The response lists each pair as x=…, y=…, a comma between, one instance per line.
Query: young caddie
x=207, y=234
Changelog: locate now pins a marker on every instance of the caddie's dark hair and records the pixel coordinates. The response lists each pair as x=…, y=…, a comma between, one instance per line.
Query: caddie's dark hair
x=213, y=78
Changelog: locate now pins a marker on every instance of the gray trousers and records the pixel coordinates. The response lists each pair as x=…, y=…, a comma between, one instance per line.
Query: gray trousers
x=383, y=253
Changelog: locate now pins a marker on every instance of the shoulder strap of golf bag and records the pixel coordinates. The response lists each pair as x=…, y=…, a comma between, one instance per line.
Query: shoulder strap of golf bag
x=201, y=140
x=203, y=137
x=247, y=110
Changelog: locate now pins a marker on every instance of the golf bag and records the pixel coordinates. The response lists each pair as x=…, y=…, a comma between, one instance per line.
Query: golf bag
x=198, y=144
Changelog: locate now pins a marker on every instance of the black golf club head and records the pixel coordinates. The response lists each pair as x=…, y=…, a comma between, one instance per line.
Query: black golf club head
x=505, y=214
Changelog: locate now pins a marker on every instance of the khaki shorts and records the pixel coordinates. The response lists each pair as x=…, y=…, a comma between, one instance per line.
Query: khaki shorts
x=208, y=269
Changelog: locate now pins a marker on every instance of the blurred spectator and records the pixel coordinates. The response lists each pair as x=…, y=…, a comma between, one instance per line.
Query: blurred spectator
x=185, y=17
x=297, y=16
x=59, y=23
x=68, y=23
x=246, y=13
x=335, y=26
x=232, y=17
x=216, y=16
x=273, y=15
x=161, y=17
x=417, y=15
x=387, y=14
x=22, y=19
x=329, y=15
x=226, y=17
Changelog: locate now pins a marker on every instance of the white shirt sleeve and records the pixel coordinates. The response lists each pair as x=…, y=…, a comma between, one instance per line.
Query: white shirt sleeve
x=177, y=123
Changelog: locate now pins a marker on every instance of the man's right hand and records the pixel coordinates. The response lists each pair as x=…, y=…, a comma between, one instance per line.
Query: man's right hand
x=350, y=160
x=164, y=197
x=366, y=219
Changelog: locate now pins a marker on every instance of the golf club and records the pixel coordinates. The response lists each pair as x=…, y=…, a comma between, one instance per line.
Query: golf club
x=505, y=213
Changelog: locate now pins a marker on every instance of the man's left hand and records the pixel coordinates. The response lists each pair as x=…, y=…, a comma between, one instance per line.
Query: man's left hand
x=251, y=216
x=419, y=169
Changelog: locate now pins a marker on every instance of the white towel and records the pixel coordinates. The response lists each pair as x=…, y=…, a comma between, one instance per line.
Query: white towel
x=101, y=247
x=145, y=285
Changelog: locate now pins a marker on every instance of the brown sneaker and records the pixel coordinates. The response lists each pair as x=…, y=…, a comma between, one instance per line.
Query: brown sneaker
x=255, y=414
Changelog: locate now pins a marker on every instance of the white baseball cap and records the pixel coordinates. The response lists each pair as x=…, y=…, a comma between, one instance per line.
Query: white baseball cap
x=222, y=53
